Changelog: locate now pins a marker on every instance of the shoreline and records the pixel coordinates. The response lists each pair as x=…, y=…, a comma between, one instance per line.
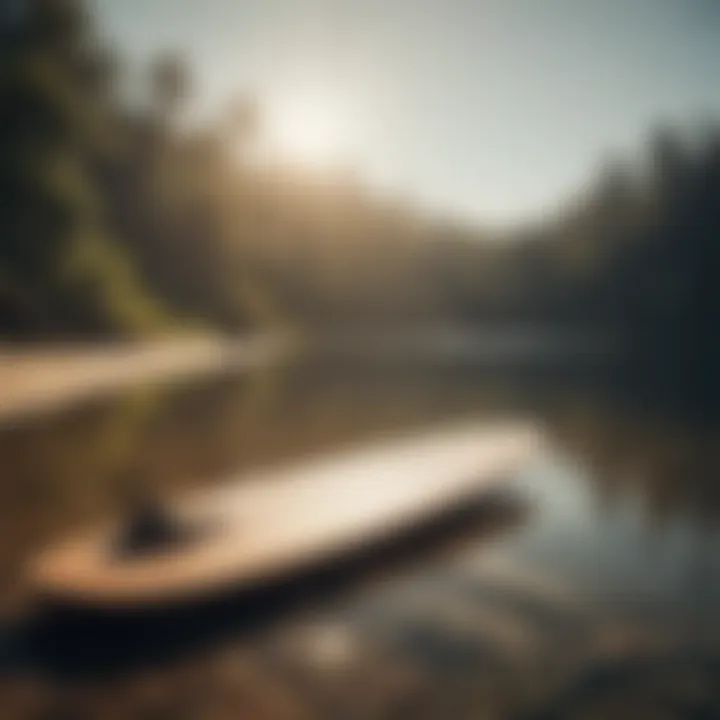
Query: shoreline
x=35, y=379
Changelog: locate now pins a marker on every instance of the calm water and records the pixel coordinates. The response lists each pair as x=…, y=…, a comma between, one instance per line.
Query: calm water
x=589, y=588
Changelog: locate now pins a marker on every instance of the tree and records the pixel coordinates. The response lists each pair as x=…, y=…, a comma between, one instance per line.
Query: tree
x=54, y=246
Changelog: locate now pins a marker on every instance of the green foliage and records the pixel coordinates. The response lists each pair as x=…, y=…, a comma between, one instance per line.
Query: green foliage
x=62, y=273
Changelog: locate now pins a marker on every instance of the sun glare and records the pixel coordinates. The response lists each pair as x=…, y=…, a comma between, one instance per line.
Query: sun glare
x=309, y=130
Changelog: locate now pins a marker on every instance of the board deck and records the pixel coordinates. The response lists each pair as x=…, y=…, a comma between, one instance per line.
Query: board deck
x=263, y=525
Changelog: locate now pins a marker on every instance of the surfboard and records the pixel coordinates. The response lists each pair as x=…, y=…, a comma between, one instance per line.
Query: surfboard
x=262, y=526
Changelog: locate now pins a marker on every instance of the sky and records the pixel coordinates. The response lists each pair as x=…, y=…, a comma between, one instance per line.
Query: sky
x=493, y=110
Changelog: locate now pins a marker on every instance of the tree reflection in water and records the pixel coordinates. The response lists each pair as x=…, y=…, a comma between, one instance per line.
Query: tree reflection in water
x=596, y=599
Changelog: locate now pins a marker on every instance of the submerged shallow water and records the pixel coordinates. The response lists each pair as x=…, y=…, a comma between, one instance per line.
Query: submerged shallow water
x=588, y=587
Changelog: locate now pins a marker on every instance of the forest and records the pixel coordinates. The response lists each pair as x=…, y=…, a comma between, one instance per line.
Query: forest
x=121, y=221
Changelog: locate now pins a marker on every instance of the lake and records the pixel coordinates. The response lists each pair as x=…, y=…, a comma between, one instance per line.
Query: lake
x=589, y=587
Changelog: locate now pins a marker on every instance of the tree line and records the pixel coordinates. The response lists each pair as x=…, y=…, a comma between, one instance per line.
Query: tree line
x=120, y=220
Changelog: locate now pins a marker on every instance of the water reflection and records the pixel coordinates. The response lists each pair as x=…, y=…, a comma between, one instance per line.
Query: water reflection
x=598, y=596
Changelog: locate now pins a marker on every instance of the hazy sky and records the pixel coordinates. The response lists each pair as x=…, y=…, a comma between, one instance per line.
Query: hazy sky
x=495, y=109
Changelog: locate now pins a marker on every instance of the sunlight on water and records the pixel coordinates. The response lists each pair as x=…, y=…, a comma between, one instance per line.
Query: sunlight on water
x=576, y=568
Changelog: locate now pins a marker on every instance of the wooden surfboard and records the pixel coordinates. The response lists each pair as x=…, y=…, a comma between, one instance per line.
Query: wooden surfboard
x=263, y=526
